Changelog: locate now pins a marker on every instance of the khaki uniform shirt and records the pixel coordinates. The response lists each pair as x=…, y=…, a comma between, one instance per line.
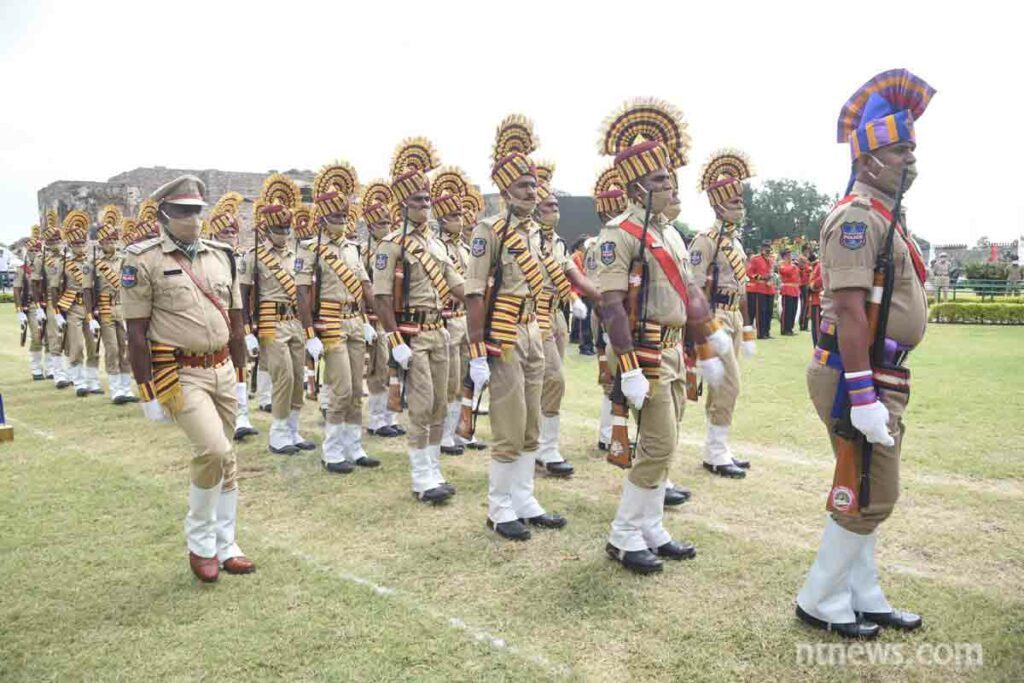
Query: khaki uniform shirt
x=458, y=254
x=702, y=251
x=270, y=286
x=154, y=286
x=851, y=239
x=617, y=249
x=331, y=286
x=106, y=288
x=941, y=268
x=422, y=294
x=484, y=248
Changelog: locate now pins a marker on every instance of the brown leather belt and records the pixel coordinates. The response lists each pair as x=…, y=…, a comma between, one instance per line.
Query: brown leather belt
x=202, y=360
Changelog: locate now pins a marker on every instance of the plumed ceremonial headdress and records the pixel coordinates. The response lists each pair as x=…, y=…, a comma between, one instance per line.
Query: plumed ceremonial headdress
x=224, y=214
x=109, y=222
x=513, y=144
x=723, y=175
x=375, y=200
x=332, y=187
x=447, y=188
x=147, y=224
x=472, y=205
x=76, y=226
x=545, y=172
x=413, y=159
x=609, y=195
x=279, y=196
x=51, y=226
x=882, y=111
x=644, y=135
x=303, y=225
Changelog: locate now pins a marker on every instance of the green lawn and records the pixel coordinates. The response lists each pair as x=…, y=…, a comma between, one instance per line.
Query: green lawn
x=356, y=581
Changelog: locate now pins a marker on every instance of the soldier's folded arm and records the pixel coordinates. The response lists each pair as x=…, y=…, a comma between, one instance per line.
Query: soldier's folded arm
x=384, y=284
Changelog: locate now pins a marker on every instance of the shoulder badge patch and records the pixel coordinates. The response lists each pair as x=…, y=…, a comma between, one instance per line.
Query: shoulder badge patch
x=298, y=265
x=695, y=257
x=607, y=253
x=479, y=247
x=381, y=261
x=129, y=276
x=591, y=262
x=853, y=235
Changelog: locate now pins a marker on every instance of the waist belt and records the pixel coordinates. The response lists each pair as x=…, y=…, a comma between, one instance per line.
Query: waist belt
x=271, y=312
x=449, y=314
x=214, y=359
x=647, y=345
x=508, y=312
x=671, y=336
x=106, y=307
x=68, y=299
x=412, y=322
x=336, y=309
x=729, y=301
x=166, y=384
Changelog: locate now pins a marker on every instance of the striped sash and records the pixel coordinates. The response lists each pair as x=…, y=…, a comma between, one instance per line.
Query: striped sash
x=725, y=245
x=166, y=383
x=113, y=278
x=429, y=265
x=106, y=305
x=344, y=273
x=273, y=264
x=72, y=269
x=506, y=315
x=517, y=246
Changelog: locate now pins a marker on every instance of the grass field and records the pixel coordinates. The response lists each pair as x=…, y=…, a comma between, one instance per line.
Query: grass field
x=356, y=581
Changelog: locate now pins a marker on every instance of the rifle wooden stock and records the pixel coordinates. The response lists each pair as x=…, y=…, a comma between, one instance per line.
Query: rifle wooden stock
x=312, y=386
x=467, y=414
x=604, y=373
x=398, y=292
x=394, y=388
x=693, y=387
x=620, y=450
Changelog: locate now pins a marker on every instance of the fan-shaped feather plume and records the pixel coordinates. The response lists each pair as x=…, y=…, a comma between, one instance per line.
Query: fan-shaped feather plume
x=607, y=180
x=228, y=204
x=545, y=171
x=52, y=219
x=129, y=228
x=337, y=176
x=354, y=211
x=725, y=164
x=148, y=210
x=472, y=203
x=33, y=232
x=281, y=190
x=450, y=180
x=642, y=120
x=302, y=221
x=378, y=191
x=396, y=214
x=110, y=216
x=515, y=134
x=414, y=154
x=257, y=208
x=76, y=224
x=902, y=89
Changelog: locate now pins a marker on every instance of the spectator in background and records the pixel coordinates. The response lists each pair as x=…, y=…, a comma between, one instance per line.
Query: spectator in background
x=1013, y=278
x=814, y=297
x=940, y=272
x=761, y=289
x=789, y=274
x=804, y=265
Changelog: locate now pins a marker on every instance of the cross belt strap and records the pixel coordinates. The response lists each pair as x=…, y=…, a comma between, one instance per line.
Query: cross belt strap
x=915, y=253
x=663, y=257
x=183, y=262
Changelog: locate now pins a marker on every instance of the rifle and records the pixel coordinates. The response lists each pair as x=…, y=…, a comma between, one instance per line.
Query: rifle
x=254, y=307
x=399, y=293
x=468, y=412
x=63, y=287
x=695, y=387
x=620, y=451
x=95, y=293
x=604, y=373
x=853, y=450
x=43, y=298
x=23, y=300
x=313, y=384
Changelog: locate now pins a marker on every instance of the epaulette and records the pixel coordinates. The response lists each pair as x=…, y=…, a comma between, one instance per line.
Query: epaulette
x=223, y=246
x=618, y=220
x=144, y=245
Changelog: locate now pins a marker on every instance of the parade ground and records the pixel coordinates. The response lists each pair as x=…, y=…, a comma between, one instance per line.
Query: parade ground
x=357, y=581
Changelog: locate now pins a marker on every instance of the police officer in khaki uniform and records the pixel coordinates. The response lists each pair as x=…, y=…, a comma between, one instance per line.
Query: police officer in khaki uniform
x=504, y=284
x=941, y=272
x=560, y=275
x=281, y=331
x=31, y=314
x=339, y=297
x=181, y=301
x=648, y=140
x=46, y=278
x=75, y=306
x=841, y=592
x=719, y=266
x=414, y=324
x=109, y=309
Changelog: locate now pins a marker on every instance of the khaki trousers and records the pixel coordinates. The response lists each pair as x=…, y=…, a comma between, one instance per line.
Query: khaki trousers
x=343, y=373
x=35, y=332
x=554, y=374
x=377, y=359
x=515, y=388
x=458, y=356
x=115, y=347
x=207, y=418
x=659, y=422
x=426, y=388
x=53, y=333
x=885, y=462
x=81, y=345
x=284, y=357
x=722, y=399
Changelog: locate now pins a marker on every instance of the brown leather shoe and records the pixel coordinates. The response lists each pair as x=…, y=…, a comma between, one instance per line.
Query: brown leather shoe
x=239, y=565
x=205, y=568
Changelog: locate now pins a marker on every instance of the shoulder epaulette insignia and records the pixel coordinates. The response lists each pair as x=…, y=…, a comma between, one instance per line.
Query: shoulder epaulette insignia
x=219, y=245
x=144, y=245
x=618, y=220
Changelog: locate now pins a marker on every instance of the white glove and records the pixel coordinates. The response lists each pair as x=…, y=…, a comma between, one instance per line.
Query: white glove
x=61, y=321
x=314, y=347
x=479, y=372
x=22, y=318
x=711, y=370
x=252, y=344
x=242, y=394
x=369, y=333
x=154, y=411
x=720, y=342
x=94, y=326
x=402, y=355
x=871, y=421
x=635, y=387
x=579, y=309
x=749, y=348
x=40, y=315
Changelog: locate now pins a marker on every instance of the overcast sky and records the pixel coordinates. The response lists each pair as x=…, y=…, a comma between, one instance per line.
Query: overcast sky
x=94, y=88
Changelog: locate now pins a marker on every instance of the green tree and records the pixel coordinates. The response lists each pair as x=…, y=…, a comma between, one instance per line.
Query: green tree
x=784, y=208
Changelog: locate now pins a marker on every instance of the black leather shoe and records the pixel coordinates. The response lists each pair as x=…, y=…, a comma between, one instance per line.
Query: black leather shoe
x=343, y=467
x=119, y=400
x=131, y=398
x=266, y=408
x=742, y=464
x=64, y=384
x=399, y=430
x=453, y=450
x=547, y=521
x=676, y=496
x=306, y=446
x=513, y=531
x=476, y=445
x=561, y=470
x=438, y=494
x=587, y=351
x=243, y=432
x=602, y=446
x=897, y=619
x=386, y=432
x=367, y=461
x=95, y=391
x=639, y=561
x=49, y=375
x=81, y=393
x=676, y=550
x=860, y=629
x=38, y=377
x=730, y=471
x=450, y=488
x=284, y=450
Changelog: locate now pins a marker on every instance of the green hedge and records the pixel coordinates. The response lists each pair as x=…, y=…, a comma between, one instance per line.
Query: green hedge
x=970, y=298
x=977, y=313
x=6, y=297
